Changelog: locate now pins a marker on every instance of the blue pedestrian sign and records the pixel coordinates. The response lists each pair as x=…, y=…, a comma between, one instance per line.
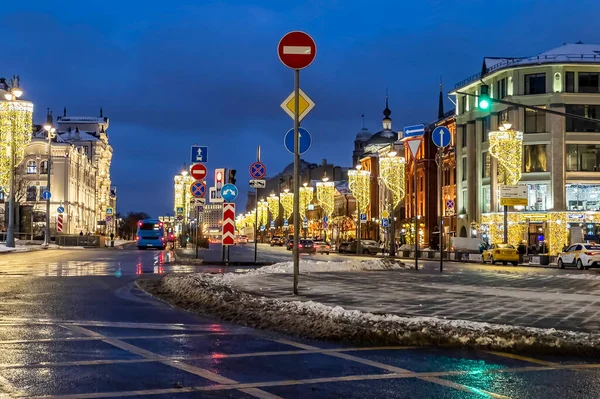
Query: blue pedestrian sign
x=272, y=224
x=258, y=170
x=285, y=223
x=199, y=154
x=305, y=140
x=441, y=136
x=414, y=131
x=385, y=222
x=60, y=209
x=229, y=192
x=363, y=218
x=198, y=189
x=325, y=219
x=262, y=228
x=46, y=195
x=180, y=210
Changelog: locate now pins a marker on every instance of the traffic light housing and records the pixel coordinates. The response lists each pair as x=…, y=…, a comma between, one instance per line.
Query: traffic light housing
x=232, y=173
x=484, y=98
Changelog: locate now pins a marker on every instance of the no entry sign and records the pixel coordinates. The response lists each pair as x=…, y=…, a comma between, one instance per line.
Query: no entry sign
x=198, y=171
x=297, y=50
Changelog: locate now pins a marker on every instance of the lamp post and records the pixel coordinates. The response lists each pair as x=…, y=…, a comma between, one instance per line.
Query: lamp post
x=50, y=132
x=11, y=96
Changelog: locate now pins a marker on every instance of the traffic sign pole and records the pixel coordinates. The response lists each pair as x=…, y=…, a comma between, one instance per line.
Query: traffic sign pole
x=256, y=213
x=416, y=219
x=296, y=180
x=441, y=208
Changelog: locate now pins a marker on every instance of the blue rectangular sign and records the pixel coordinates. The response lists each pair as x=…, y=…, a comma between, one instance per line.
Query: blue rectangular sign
x=199, y=154
x=414, y=131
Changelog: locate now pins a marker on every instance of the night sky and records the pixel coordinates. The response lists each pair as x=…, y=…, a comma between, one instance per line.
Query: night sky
x=173, y=73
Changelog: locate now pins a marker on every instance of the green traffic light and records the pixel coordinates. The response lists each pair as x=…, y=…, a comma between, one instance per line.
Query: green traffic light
x=484, y=97
x=484, y=103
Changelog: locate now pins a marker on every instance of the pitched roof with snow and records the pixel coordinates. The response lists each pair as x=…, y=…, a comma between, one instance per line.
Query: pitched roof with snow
x=576, y=53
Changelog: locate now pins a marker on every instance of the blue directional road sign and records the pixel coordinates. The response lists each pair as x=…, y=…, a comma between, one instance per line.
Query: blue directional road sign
x=385, y=222
x=414, y=131
x=46, y=195
x=363, y=218
x=262, y=228
x=285, y=223
x=199, y=154
x=198, y=189
x=441, y=136
x=305, y=140
x=325, y=219
x=258, y=170
x=229, y=192
x=272, y=224
x=60, y=209
x=180, y=210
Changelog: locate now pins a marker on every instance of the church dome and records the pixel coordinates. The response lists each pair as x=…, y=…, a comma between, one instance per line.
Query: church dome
x=363, y=135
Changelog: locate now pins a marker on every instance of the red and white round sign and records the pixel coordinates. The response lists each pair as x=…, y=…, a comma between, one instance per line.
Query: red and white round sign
x=198, y=171
x=297, y=50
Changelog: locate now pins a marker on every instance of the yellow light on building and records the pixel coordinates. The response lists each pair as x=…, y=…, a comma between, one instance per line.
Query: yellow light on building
x=182, y=192
x=306, y=196
x=287, y=203
x=392, y=172
x=558, y=234
x=506, y=145
x=359, y=184
x=273, y=204
x=16, y=125
x=325, y=196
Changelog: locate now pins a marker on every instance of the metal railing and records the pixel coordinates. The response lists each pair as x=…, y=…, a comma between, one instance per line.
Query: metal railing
x=78, y=241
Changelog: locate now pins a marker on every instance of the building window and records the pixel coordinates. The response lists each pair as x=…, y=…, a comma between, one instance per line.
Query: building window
x=463, y=104
x=501, y=88
x=31, y=167
x=579, y=125
x=31, y=193
x=535, y=83
x=535, y=121
x=44, y=167
x=588, y=82
x=486, y=124
x=464, y=168
x=583, y=157
x=463, y=134
x=570, y=82
x=486, y=199
x=583, y=197
x=534, y=158
x=502, y=116
x=41, y=190
x=537, y=195
x=485, y=164
x=463, y=202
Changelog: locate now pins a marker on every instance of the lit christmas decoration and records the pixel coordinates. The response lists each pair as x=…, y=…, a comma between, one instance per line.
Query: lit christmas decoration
x=250, y=219
x=306, y=196
x=287, y=203
x=16, y=125
x=325, y=196
x=359, y=184
x=506, y=145
x=392, y=172
x=557, y=233
x=182, y=190
x=240, y=222
x=273, y=204
x=263, y=209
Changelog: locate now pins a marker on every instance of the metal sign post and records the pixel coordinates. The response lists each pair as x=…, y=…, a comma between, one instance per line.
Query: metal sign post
x=414, y=143
x=441, y=138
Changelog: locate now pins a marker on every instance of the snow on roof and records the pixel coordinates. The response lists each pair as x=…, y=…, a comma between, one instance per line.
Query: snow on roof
x=83, y=136
x=81, y=119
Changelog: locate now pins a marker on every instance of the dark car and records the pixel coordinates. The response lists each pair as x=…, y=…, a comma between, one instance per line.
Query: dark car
x=276, y=240
x=367, y=247
x=289, y=243
x=307, y=247
x=343, y=247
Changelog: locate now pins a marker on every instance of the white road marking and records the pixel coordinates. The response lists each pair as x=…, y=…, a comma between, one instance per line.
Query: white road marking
x=299, y=50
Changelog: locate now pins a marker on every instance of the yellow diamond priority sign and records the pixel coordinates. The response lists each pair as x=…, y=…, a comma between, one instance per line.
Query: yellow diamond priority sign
x=305, y=105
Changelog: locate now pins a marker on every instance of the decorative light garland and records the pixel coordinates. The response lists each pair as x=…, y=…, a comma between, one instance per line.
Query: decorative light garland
x=16, y=126
x=263, y=209
x=182, y=187
x=506, y=145
x=306, y=197
x=325, y=196
x=287, y=203
x=558, y=234
x=392, y=172
x=250, y=219
x=359, y=184
x=273, y=204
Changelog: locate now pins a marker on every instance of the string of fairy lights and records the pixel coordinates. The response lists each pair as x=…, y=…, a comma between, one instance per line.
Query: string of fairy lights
x=273, y=205
x=16, y=125
x=506, y=145
x=359, y=184
x=392, y=172
x=287, y=203
x=326, y=196
x=306, y=197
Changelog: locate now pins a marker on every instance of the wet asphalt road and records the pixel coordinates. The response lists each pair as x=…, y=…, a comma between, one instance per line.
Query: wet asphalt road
x=73, y=325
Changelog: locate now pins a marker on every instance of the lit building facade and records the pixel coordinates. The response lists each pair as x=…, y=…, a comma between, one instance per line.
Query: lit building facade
x=561, y=155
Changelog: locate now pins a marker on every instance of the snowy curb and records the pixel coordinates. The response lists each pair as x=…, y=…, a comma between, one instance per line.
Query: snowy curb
x=212, y=294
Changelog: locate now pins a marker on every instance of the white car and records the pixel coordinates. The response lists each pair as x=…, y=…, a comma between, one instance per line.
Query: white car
x=581, y=255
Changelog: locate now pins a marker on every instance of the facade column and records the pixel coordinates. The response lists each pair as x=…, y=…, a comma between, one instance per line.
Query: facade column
x=557, y=126
x=471, y=172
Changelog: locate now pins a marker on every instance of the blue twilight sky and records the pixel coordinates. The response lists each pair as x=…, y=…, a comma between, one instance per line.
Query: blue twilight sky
x=170, y=74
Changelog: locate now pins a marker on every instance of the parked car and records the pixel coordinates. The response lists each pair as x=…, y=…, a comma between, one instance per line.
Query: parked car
x=581, y=255
x=367, y=247
x=243, y=239
x=289, y=243
x=343, y=247
x=276, y=240
x=307, y=247
x=322, y=247
x=501, y=253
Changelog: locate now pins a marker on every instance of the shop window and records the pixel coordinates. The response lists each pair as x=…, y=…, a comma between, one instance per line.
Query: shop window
x=31, y=193
x=537, y=195
x=31, y=167
x=579, y=125
x=534, y=158
x=588, y=82
x=535, y=83
x=583, y=197
x=583, y=157
x=535, y=121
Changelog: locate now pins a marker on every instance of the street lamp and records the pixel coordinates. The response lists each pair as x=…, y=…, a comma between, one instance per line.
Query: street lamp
x=50, y=130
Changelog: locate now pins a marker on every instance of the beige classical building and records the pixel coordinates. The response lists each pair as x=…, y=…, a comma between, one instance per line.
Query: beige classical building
x=561, y=155
x=79, y=175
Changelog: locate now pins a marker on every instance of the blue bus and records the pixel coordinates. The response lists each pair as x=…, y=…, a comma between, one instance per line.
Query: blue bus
x=150, y=234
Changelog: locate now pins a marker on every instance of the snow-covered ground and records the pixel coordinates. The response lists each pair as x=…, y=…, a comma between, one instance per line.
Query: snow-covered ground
x=32, y=247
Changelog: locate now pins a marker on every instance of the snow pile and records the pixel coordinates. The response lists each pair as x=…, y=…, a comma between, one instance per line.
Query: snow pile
x=206, y=293
x=310, y=266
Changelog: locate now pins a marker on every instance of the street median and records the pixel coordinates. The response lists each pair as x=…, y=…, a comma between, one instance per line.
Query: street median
x=222, y=296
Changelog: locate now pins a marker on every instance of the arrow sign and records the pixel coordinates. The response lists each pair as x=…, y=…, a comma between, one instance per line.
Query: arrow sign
x=199, y=154
x=441, y=136
x=198, y=171
x=414, y=131
x=228, y=228
x=229, y=192
x=305, y=140
x=258, y=183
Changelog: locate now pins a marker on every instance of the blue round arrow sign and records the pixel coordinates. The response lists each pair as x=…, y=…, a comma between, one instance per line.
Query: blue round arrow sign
x=229, y=192
x=441, y=136
x=305, y=140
